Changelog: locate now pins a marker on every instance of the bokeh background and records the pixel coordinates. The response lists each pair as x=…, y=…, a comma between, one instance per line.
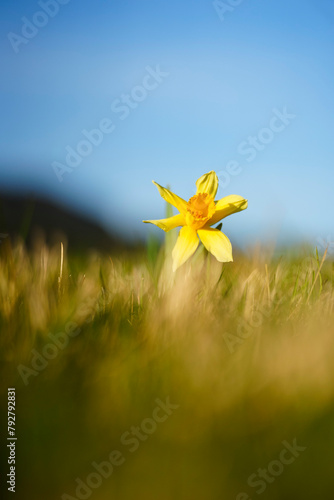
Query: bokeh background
x=228, y=68
x=245, y=348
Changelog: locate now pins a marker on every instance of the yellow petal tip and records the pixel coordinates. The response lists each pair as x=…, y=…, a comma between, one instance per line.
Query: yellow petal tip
x=176, y=266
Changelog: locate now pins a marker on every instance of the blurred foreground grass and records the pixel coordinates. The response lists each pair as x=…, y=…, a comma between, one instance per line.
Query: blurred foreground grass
x=246, y=351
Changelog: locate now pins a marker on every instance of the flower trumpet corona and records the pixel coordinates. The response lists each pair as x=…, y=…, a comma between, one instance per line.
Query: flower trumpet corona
x=196, y=218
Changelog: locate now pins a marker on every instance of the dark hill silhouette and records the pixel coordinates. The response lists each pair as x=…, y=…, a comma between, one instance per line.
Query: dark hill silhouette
x=28, y=217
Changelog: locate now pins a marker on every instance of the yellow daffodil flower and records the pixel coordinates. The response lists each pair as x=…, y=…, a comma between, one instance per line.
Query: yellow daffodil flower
x=196, y=216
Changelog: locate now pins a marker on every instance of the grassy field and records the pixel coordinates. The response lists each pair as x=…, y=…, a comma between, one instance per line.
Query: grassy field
x=213, y=383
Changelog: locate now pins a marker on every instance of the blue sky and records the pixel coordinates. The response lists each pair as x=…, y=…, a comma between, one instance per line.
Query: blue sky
x=224, y=80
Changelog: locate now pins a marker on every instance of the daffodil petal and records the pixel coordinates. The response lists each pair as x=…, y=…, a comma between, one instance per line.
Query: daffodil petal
x=227, y=206
x=216, y=243
x=169, y=223
x=172, y=198
x=185, y=246
x=208, y=183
